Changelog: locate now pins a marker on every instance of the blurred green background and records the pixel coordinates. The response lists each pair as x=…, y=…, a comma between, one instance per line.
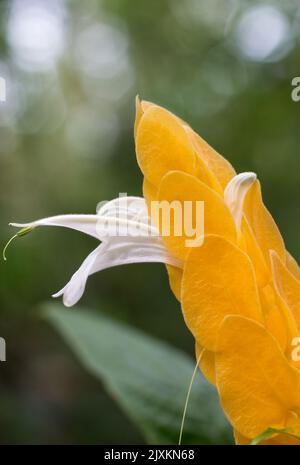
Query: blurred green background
x=72, y=70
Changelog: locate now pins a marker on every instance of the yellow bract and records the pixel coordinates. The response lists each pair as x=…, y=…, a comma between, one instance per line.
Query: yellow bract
x=251, y=247
x=181, y=187
x=287, y=286
x=220, y=168
x=218, y=280
x=239, y=290
x=254, y=378
x=292, y=265
x=162, y=145
x=262, y=224
x=206, y=363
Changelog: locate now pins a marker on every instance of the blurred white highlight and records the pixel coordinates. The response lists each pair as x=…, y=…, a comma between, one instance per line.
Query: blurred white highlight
x=262, y=31
x=36, y=33
x=2, y=89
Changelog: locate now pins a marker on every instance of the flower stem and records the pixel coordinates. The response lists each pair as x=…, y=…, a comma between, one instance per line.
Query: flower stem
x=187, y=400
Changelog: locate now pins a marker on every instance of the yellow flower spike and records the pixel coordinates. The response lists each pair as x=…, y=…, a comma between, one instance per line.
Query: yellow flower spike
x=178, y=186
x=287, y=286
x=219, y=166
x=292, y=265
x=257, y=386
x=263, y=226
x=218, y=280
x=162, y=145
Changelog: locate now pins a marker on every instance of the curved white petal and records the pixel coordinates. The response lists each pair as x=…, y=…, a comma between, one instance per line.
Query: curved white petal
x=74, y=289
x=99, y=226
x=235, y=192
x=110, y=254
x=83, y=223
x=109, y=227
x=132, y=208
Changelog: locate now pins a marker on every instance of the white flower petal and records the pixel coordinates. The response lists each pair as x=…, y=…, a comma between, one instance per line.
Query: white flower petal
x=109, y=227
x=84, y=223
x=132, y=208
x=74, y=289
x=100, y=227
x=235, y=192
x=110, y=254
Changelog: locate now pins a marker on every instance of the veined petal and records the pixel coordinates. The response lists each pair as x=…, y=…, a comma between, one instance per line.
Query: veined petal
x=292, y=265
x=162, y=145
x=263, y=273
x=274, y=319
x=218, y=165
x=235, y=192
x=206, y=363
x=218, y=280
x=257, y=385
x=287, y=286
x=211, y=168
x=110, y=254
x=183, y=188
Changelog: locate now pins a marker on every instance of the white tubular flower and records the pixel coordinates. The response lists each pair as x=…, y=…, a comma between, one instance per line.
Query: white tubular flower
x=127, y=236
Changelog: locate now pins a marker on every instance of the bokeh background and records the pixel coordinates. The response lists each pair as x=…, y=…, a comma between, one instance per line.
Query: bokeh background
x=73, y=69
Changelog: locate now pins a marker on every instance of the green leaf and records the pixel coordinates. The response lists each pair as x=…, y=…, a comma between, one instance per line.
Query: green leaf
x=269, y=433
x=147, y=377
